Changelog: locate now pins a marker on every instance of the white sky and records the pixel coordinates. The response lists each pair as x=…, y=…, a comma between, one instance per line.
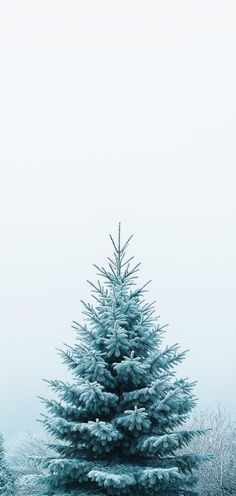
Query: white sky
x=116, y=110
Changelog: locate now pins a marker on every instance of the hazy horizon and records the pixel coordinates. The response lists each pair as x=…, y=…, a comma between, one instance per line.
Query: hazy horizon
x=116, y=112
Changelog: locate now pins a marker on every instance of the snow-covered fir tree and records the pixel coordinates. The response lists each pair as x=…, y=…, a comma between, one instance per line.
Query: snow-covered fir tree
x=119, y=423
x=7, y=479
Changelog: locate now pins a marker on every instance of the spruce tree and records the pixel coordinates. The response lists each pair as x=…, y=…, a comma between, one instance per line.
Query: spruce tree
x=7, y=480
x=118, y=424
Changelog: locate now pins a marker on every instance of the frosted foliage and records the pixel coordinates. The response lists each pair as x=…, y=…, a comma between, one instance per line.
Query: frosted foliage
x=7, y=479
x=118, y=425
x=26, y=454
x=218, y=477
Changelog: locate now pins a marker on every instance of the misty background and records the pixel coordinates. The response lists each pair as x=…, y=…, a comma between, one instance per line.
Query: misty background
x=116, y=111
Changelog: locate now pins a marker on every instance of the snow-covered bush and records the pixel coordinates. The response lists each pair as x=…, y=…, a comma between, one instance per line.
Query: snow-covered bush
x=25, y=455
x=217, y=477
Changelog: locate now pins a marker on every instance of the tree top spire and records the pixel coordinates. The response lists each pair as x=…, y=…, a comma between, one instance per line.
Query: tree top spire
x=119, y=252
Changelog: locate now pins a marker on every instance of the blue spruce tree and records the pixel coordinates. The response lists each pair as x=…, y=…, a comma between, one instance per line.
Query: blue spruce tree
x=119, y=422
x=7, y=479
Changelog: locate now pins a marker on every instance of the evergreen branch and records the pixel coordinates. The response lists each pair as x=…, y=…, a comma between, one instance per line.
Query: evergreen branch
x=165, y=358
x=97, y=299
x=107, y=275
x=133, y=270
x=113, y=242
x=127, y=261
x=113, y=271
x=97, y=289
x=77, y=324
x=170, y=394
x=90, y=312
x=101, y=270
x=66, y=355
x=119, y=238
x=119, y=254
x=147, y=318
x=111, y=261
x=140, y=290
x=147, y=306
x=178, y=357
x=160, y=328
x=126, y=243
x=83, y=347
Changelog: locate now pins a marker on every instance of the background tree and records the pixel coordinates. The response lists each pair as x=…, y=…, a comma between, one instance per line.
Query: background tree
x=119, y=421
x=7, y=479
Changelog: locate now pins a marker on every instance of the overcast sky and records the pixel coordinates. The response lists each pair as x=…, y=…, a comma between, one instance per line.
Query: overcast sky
x=116, y=110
